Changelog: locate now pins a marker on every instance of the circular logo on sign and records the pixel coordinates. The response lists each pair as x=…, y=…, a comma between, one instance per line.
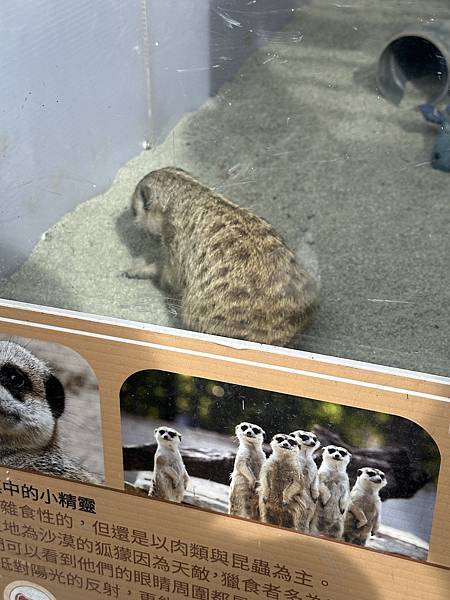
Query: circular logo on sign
x=23, y=590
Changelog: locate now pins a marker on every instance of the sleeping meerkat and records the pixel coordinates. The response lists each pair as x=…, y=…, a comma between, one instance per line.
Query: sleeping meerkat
x=32, y=400
x=363, y=515
x=243, y=498
x=308, y=445
x=334, y=493
x=170, y=477
x=232, y=271
x=281, y=484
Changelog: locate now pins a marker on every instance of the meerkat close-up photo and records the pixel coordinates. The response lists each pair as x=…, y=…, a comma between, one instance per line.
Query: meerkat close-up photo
x=250, y=457
x=309, y=443
x=281, y=484
x=363, y=514
x=170, y=478
x=32, y=400
x=334, y=493
x=232, y=272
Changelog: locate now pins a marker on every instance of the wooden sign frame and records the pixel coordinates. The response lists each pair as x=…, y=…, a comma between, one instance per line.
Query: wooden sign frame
x=331, y=570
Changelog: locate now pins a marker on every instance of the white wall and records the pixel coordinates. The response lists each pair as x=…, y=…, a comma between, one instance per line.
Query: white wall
x=73, y=108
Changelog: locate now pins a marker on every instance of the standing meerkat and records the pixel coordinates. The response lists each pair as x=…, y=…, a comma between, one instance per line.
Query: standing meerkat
x=32, y=400
x=281, y=484
x=231, y=270
x=309, y=443
x=334, y=493
x=363, y=515
x=170, y=478
x=250, y=457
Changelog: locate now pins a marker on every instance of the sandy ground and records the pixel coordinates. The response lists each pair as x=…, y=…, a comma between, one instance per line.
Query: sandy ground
x=302, y=137
x=80, y=425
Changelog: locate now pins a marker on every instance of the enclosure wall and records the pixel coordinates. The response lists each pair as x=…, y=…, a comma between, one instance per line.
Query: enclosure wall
x=73, y=109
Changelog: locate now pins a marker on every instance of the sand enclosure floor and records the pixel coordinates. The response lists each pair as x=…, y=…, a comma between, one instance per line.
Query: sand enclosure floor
x=301, y=136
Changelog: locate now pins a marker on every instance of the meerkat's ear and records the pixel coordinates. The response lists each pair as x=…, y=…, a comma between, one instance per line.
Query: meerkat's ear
x=359, y=472
x=56, y=398
x=146, y=196
x=179, y=435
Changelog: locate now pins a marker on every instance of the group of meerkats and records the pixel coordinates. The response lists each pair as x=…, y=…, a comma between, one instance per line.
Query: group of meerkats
x=286, y=489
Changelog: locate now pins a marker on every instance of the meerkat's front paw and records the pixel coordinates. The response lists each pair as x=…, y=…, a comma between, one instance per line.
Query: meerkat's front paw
x=141, y=270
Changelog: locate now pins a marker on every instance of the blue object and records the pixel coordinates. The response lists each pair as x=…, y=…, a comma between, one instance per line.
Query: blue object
x=440, y=158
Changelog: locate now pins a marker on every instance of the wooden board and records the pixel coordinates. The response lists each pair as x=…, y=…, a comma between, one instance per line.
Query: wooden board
x=336, y=571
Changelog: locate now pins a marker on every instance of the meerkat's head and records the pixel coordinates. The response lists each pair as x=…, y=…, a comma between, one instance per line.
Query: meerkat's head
x=371, y=478
x=248, y=433
x=31, y=400
x=152, y=196
x=336, y=457
x=283, y=444
x=167, y=437
x=307, y=439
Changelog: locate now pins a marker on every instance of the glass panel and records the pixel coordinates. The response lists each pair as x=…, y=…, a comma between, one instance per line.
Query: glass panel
x=326, y=119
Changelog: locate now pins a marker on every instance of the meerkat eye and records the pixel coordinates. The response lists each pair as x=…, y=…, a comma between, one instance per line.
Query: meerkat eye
x=331, y=448
x=343, y=452
x=371, y=473
x=304, y=437
x=359, y=472
x=314, y=437
x=17, y=380
x=256, y=430
x=279, y=438
x=13, y=378
x=161, y=431
x=244, y=427
x=172, y=434
x=292, y=442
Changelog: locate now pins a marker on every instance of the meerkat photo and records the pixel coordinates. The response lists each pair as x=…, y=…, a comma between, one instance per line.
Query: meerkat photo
x=334, y=493
x=309, y=443
x=250, y=457
x=230, y=269
x=281, y=484
x=363, y=514
x=170, y=478
x=32, y=400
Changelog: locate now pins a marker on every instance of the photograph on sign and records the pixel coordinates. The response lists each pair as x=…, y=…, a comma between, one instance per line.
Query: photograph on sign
x=320, y=468
x=49, y=411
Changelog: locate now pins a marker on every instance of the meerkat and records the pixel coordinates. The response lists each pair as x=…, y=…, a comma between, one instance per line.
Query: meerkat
x=32, y=400
x=309, y=443
x=334, y=493
x=363, y=514
x=281, y=484
x=170, y=478
x=250, y=457
x=231, y=270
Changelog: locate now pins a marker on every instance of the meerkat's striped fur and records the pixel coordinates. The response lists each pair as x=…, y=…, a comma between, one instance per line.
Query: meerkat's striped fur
x=232, y=271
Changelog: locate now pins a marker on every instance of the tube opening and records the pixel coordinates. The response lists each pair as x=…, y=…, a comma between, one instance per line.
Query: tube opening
x=413, y=70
